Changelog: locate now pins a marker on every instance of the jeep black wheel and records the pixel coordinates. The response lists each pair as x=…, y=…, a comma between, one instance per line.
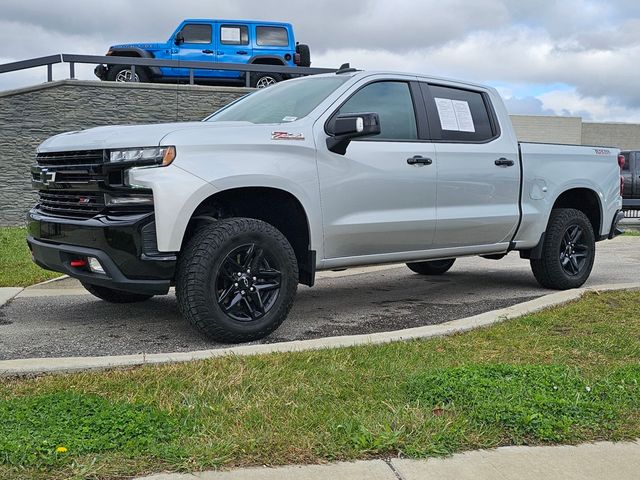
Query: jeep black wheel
x=568, y=252
x=236, y=280
x=115, y=296
x=434, y=267
x=264, y=80
x=123, y=73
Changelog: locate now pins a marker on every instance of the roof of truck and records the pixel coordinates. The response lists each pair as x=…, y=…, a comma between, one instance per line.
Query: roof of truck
x=223, y=20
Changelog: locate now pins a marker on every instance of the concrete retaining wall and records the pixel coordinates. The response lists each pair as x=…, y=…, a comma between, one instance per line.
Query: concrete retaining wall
x=30, y=115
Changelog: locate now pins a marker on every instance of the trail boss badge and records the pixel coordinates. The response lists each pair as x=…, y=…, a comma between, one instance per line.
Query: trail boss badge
x=287, y=136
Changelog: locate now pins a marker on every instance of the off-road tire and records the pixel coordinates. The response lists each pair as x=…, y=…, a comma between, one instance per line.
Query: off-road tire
x=548, y=270
x=305, y=54
x=259, y=78
x=114, y=70
x=115, y=296
x=200, y=264
x=434, y=267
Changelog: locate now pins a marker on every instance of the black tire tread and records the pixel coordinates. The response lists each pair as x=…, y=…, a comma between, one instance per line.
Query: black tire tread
x=547, y=270
x=431, y=267
x=191, y=270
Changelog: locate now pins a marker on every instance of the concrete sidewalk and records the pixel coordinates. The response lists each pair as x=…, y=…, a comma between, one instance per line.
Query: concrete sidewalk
x=598, y=461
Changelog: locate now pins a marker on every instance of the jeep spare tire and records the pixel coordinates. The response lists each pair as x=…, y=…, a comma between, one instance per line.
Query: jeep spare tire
x=305, y=54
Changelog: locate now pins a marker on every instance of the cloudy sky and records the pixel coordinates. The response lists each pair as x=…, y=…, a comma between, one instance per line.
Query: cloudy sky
x=565, y=57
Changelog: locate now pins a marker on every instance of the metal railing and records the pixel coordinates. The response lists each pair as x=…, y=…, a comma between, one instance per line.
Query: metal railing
x=134, y=62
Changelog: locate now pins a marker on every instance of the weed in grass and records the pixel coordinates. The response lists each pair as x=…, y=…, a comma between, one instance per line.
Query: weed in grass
x=51, y=429
x=530, y=402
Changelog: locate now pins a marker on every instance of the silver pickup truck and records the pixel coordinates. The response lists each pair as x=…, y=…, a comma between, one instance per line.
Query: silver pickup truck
x=317, y=173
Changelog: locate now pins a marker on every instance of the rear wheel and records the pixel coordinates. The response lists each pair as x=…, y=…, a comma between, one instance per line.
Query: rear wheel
x=115, y=296
x=236, y=280
x=568, y=251
x=434, y=267
x=123, y=73
x=264, y=80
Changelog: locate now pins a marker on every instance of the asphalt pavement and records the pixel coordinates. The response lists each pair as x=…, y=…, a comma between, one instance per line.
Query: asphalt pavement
x=60, y=320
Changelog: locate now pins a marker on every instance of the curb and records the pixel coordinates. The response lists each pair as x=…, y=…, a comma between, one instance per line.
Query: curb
x=35, y=366
x=8, y=293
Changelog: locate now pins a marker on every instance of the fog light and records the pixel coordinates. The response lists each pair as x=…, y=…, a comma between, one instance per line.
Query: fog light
x=95, y=266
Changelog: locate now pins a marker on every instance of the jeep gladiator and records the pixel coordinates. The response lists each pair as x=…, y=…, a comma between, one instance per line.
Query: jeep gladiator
x=315, y=173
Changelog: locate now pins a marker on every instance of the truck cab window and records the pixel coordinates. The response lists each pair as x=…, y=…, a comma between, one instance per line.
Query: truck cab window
x=234, y=35
x=393, y=103
x=272, y=36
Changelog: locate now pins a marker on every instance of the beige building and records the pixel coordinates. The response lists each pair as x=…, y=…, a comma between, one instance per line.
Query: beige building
x=572, y=130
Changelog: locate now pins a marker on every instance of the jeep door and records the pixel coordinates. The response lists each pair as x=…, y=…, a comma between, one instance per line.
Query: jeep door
x=198, y=46
x=478, y=169
x=376, y=199
x=234, y=46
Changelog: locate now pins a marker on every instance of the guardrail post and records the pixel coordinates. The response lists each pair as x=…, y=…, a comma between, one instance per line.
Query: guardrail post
x=247, y=79
x=72, y=70
x=191, y=76
x=50, y=73
x=133, y=73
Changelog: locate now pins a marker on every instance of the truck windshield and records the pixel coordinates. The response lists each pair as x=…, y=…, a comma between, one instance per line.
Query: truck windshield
x=280, y=103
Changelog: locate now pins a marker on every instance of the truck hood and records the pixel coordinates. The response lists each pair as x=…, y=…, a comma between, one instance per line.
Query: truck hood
x=126, y=136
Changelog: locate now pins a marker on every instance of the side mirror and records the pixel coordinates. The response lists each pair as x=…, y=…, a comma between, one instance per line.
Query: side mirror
x=179, y=40
x=349, y=126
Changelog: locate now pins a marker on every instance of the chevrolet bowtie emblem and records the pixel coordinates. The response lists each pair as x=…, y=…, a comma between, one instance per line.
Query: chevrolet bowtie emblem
x=47, y=177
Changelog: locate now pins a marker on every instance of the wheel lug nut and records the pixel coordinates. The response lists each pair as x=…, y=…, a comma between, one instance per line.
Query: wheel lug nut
x=251, y=289
x=235, y=284
x=254, y=279
x=243, y=292
x=248, y=270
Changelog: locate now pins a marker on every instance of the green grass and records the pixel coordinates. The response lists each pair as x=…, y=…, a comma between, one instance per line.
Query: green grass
x=16, y=267
x=566, y=375
x=632, y=233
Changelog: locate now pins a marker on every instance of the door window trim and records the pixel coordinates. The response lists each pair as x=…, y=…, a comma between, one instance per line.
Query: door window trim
x=419, y=111
x=432, y=112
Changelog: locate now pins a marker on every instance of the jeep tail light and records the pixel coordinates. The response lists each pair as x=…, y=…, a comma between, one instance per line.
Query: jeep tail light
x=297, y=59
x=621, y=161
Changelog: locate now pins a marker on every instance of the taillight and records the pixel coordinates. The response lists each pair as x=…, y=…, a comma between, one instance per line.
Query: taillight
x=297, y=59
x=621, y=161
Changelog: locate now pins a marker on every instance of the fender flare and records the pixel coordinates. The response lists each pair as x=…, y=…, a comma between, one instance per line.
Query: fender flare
x=139, y=52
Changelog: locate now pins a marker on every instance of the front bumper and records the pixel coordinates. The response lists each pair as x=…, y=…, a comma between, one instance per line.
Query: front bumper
x=101, y=72
x=124, y=245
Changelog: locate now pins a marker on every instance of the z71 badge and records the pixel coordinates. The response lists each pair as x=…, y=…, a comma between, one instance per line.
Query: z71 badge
x=287, y=136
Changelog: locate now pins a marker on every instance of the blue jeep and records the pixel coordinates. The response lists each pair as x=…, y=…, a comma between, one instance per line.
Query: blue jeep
x=224, y=41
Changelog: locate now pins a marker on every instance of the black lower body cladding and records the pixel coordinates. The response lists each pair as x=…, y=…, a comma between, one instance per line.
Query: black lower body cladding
x=125, y=248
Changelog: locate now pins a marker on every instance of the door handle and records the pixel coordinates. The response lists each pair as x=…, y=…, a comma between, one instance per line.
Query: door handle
x=242, y=52
x=419, y=160
x=504, y=162
x=208, y=52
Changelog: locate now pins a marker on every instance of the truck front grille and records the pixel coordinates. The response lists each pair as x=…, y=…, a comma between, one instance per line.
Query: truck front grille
x=73, y=204
x=83, y=157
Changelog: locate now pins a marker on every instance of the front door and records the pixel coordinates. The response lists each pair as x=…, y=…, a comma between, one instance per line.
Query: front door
x=375, y=198
x=198, y=46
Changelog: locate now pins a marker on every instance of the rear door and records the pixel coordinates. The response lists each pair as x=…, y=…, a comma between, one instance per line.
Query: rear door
x=635, y=169
x=198, y=46
x=234, y=46
x=478, y=185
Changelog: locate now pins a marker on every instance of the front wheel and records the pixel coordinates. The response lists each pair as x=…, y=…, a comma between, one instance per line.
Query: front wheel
x=123, y=73
x=264, y=80
x=568, y=251
x=236, y=280
x=434, y=267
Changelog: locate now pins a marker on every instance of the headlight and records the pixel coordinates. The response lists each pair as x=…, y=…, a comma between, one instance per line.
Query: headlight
x=144, y=155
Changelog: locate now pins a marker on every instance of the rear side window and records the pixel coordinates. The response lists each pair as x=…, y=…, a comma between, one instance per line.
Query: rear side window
x=234, y=35
x=272, y=36
x=458, y=115
x=196, y=33
x=392, y=101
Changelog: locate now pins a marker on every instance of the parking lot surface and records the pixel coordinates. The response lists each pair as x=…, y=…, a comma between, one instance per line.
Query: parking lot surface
x=60, y=320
